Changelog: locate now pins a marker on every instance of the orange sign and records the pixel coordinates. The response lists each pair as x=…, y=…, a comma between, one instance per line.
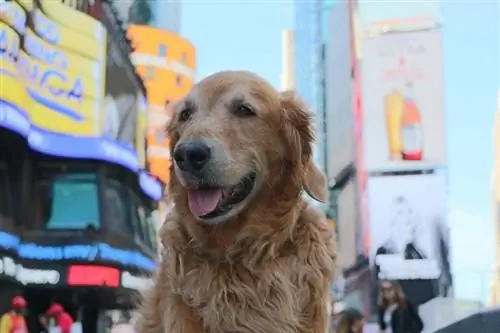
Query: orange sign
x=166, y=62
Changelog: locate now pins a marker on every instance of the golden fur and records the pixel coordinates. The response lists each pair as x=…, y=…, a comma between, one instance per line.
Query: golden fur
x=268, y=269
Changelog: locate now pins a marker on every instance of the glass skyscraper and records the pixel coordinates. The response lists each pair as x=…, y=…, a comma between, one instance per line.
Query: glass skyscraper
x=308, y=67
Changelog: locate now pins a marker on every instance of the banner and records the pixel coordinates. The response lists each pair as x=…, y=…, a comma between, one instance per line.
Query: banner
x=402, y=90
x=409, y=234
x=55, y=91
x=166, y=62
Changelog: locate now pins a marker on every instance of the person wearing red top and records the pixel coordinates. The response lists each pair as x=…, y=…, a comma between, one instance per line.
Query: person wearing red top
x=62, y=319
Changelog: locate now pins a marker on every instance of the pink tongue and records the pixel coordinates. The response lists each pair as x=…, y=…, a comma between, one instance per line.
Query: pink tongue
x=203, y=202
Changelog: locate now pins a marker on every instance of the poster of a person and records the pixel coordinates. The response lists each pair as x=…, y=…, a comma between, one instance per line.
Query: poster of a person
x=409, y=233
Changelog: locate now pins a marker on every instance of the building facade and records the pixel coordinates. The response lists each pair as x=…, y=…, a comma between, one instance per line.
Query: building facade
x=494, y=298
x=308, y=67
x=77, y=203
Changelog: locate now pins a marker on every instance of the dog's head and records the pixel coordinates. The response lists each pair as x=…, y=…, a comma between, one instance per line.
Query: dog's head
x=235, y=140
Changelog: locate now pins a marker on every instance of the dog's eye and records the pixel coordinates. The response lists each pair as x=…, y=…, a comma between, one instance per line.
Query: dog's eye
x=243, y=110
x=185, y=114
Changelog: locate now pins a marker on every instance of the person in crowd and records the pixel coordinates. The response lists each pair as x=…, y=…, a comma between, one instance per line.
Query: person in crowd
x=56, y=317
x=123, y=325
x=351, y=321
x=395, y=313
x=14, y=321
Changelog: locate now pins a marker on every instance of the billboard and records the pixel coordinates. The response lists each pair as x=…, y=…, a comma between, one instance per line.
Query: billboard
x=402, y=91
x=409, y=234
x=166, y=62
x=54, y=82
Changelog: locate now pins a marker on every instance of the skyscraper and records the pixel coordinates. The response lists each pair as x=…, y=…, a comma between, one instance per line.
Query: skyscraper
x=308, y=67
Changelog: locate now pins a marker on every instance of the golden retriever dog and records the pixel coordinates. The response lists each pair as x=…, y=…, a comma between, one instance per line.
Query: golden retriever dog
x=242, y=249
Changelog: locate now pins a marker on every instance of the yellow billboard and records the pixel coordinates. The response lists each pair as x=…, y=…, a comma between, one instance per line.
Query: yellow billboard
x=54, y=86
x=167, y=64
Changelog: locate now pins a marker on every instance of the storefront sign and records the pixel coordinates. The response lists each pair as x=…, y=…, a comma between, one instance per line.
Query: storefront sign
x=88, y=275
x=135, y=282
x=10, y=268
x=92, y=253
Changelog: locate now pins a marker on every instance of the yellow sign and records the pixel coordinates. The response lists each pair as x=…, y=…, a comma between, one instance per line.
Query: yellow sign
x=9, y=49
x=14, y=15
x=50, y=54
x=54, y=84
x=67, y=38
x=74, y=19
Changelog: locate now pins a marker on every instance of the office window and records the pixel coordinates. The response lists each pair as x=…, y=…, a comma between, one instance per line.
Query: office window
x=139, y=221
x=68, y=201
x=162, y=50
x=115, y=205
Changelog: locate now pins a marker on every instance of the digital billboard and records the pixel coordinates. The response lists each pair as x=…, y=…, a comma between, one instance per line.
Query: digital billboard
x=65, y=89
x=409, y=233
x=402, y=91
x=167, y=63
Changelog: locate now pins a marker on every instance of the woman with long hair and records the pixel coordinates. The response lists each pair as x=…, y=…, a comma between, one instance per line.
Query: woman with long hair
x=395, y=313
x=351, y=321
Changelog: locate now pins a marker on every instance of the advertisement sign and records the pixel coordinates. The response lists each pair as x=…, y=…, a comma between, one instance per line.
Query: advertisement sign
x=90, y=253
x=166, y=62
x=12, y=269
x=409, y=233
x=402, y=90
x=54, y=87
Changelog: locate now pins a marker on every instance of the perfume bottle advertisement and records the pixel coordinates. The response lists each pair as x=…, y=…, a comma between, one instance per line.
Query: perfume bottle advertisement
x=402, y=91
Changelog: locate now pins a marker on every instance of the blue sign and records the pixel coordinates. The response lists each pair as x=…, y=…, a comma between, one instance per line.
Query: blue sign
x=79, y=252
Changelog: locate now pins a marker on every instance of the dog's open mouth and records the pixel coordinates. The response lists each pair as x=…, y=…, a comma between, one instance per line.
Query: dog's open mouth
x=212, y=202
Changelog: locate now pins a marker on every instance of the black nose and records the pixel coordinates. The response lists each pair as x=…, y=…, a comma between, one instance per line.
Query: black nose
x=192, y=155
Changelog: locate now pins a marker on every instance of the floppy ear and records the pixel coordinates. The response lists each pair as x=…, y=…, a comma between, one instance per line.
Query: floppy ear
x=315, y=182
x=299, y=134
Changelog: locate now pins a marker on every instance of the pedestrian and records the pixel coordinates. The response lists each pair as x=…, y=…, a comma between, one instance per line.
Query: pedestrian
x=56, y=319
x=13, y=321
x=395, y=313
x=351, y=321
x=123, y=324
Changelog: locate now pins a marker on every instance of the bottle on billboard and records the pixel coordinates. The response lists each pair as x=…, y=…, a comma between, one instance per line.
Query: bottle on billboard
x=394, y=110
x=411, y=128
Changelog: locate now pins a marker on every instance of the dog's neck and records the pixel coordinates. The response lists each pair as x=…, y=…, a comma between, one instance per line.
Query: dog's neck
x=234, y=240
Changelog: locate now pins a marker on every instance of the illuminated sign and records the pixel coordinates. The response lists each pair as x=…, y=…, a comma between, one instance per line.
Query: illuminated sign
x=47, y=29
x=14, y=15
x=25, y=275
x=86, y=253
x=135, y=282
x=53, y=84
x=87, y=275
x=8, y=241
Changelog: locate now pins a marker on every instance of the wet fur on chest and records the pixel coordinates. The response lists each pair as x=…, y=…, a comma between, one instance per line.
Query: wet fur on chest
x=274, y=291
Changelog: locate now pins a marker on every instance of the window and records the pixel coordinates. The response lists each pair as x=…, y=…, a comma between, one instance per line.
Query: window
x=115, y=205
x=178, y=80
x=162, y=50
x=69, y=201
x=184, y=58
